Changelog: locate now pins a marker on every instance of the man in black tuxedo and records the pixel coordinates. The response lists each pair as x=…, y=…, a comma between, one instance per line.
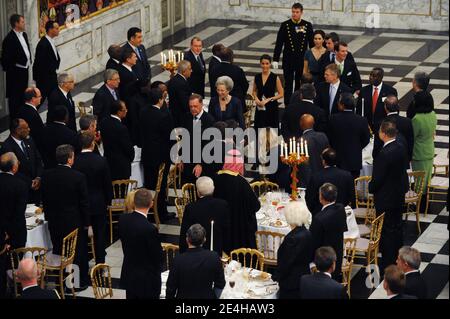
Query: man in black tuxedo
x=66, y=205
x=202, y=212
x=349, y=134
x=62, y=96
x=119, y=149
x=115, y=54
x=142, y=67
x=394, y=283
x=330, y=224
x=57, y=133
x=320, y=285
x=330, y=174
x=142, y=251
x=88, y=123
x=215, y=60
x=16, y=61
x=349, y=73
x=374, y=96
x=30, y=169
x=403, y=124
x=328, y=92
x=29, y=113
x=28, y=274
x=290, y=123
x=388, y=185
x=236, y=73
x=198, y=273
x=106, y=94
x=47, y=60
x=98, y=178
x=155, y=127
x=195, y=123
x=13, y=196
x=409, y=262
x=317, y=143
x=195, y=56
x=179, y=92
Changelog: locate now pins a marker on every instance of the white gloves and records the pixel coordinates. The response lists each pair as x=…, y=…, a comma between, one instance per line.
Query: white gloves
x=275, y=65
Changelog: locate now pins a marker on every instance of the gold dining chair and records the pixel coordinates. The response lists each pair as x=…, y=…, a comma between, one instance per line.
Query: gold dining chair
x=56, y=265
x=365, y=208
x=268, y=242
x=347, y=262
x=179, y=205
x=121, y=188
x=101, y=281
x=91, y=248
x=173, y=180
x=437, y=186
x=170, y=251
x=16, y=256
x=249, y=258
x=154, y=210
x=189, y=192
x=369, y=247
x=414, y=195
x=262, y=187
x=249, y=108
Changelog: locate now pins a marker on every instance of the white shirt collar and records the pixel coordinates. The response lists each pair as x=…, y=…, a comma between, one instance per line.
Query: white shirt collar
x=389, y=142
x=110, y=89
x=59, y=122
x=379, y=88
x=195, y=55
x=182, y=76
x=18, y=33
x=156, y=106
x=392, y=113
x=339, y=63
x=116, y=117
x=31, y=286
x=336, y=85
x=310, y=129
x=117, y=61
x=139, y=212
x=132, y=46
x=328, y=205
x=86, y=151
x=66, y=165
x=199, y=115
x=217, y=58
x=127, y=67
x=392, y=296
x=34, y=107
x=327, y=273
x=412, y=271
x=19, y=142
x=10, y=173
x=63, y=92
x=310, y=101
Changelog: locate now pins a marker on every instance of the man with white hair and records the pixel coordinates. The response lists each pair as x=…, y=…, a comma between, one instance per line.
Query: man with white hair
x=409, y=262
x=62, y=96
x=28, y=274
x=207, y=211
x=180, y=91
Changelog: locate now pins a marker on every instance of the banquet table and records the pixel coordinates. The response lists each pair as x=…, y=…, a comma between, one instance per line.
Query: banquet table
x=248, y=284
x=38, y=235
x=271, y=218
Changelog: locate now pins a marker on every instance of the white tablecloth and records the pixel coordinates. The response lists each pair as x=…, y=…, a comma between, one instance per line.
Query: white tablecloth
x=246, y=286
x=38, y=236
x=137, y=171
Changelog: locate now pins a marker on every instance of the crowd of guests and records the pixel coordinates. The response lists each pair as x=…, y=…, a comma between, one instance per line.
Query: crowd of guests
x=64, y=169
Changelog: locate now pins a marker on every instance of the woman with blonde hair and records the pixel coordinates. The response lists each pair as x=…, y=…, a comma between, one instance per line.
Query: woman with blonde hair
x=294, y=254
x=129, y=202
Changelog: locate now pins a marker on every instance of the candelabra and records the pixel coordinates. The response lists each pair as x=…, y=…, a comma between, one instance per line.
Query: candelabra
x=170, y=62
x=298, y=154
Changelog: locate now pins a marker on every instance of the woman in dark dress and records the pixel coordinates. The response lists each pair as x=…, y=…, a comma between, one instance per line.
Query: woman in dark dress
x=265, y=87
x=312, y=56
x=224, y=106
x=294, y=254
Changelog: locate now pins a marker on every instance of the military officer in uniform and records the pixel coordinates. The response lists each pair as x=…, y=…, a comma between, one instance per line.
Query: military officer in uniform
x=295, y=35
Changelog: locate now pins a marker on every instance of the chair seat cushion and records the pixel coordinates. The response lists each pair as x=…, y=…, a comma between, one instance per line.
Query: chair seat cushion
x=362, y=244
x=52, y=260
x=437, y=181
x=411, y=196
x=364, y=230
x=360, y=212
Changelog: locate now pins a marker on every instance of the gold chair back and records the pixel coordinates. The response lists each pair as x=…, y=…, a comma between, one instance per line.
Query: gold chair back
x=68, y=249
x=375, y=230
x=174, y=180
x=416, y=186
x=121, y=189
x=16, y=256
x=262, y=187
x=348, y=259
x=179, y=205
x=101, y=281
x=268, y=243
x=170, y=251
x=362, y=195
x=189, y=192
x=249, y=258
x=248, y=112
x=154, y=210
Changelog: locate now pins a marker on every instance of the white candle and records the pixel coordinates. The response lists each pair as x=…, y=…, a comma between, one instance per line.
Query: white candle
x=298, y=149
x=306, y=149
x=362, y=107
x=302, y=148
x=212, y=235
x=285, y=150
x=162, y=58
x=282, y=149
x=182, y=56
x=165, y=59
x=179, y=56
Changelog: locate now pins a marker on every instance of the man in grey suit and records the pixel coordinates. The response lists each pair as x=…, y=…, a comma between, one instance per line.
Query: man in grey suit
x=317, y=143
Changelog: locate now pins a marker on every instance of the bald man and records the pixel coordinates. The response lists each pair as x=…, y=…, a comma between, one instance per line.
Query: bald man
x=317, y=143
x=28, y=274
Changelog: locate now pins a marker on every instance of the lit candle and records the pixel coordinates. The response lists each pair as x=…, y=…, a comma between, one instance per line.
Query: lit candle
x=182, y=56
x=298, y=149
x=282, y=148
x=302, y=150
x=362, y=107
x=212, y=235
x=165, y=59
x=291, y=147
x=162, y=59
x=285, y=150
x=179, y=56
x=306, y=149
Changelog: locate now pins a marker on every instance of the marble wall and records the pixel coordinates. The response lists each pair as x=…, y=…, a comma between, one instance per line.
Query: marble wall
x=398, y=14
x=84, y=48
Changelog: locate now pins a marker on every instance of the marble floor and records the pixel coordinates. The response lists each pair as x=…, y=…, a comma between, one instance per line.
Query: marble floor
x=400, y=53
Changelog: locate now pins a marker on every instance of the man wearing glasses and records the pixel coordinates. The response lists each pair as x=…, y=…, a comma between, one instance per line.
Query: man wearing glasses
x=62, y=96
